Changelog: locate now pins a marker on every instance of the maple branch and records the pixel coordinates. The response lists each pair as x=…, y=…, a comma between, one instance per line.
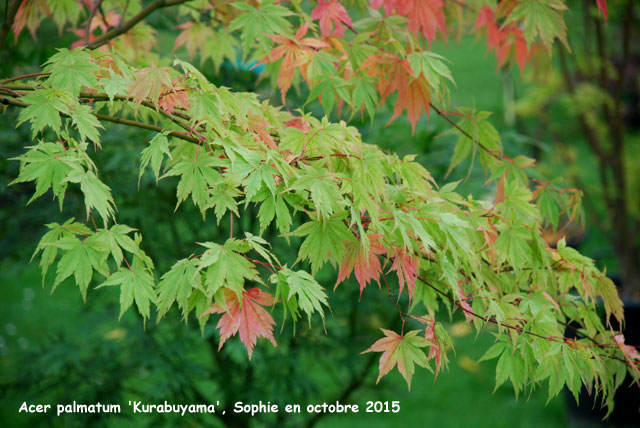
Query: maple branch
x=486, y=319
x=124, y=27
x=23, y=76
x=386, y=283
x=178, y=134
x=92, y=13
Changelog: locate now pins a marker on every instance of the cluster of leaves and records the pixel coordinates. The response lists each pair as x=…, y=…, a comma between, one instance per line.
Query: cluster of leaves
x=344, y=61
x=363, y=211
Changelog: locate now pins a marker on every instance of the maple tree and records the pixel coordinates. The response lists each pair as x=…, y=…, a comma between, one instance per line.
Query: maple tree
x=353, y=206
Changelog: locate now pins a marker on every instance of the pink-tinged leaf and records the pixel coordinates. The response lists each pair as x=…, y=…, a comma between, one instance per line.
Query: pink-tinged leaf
x=247, y=317
x=150, y=83
x=109, y=20
x=177, y=96
x=194, y=35
x=29, y=14
x=406, y=266
x=333, y=17
x=464, y=304
x=629, y=352
x=295, y=53
x=602, y=5
x=435, y=347
x=258, y=125
x=365, y=263
x=403, y=351
x=299, y=123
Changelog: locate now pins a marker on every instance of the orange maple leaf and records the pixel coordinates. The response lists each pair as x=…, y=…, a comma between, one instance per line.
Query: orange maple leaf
x=395, y=74
x=295, y=53
x=333, y=17
x=246, y=316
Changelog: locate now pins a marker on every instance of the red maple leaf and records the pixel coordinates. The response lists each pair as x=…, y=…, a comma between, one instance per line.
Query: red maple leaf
x=246, y=317
x=504, y=39
x=395, y=74
x=365, y=264
x=331, y=14
x=415, y=98
x=602, y=5
x=406, y=266
x=425, y=16
x=295, y=53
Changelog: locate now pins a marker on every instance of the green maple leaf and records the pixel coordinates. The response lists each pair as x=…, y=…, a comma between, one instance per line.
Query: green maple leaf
x=542, y=18
x=227, y=267
x=71, y=70
x=136, y=285
x=513, y=245
x=154, y=153
x=115, y=84
x=324, y=241
x=86, y=123
x=222, y=198
x=321, y=184
x=177, y=285
x=80, y=259
x=97, y=195
x=256, y=23
x=477, y=125
x=65, y=10
x=197, y=176
x=48, y=164
x=46, y=245
x=517, y=202
x=115, y=239
x=43, y=110
x=300, y=290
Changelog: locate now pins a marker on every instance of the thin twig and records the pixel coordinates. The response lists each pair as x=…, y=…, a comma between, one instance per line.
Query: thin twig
x=87, y=28
x=123, y=28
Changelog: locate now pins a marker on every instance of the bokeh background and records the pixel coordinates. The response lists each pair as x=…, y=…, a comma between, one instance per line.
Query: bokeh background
x=55, y=348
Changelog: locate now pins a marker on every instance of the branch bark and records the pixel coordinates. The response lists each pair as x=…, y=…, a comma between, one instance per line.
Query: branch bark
x=123, y=28
x=178, y=134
